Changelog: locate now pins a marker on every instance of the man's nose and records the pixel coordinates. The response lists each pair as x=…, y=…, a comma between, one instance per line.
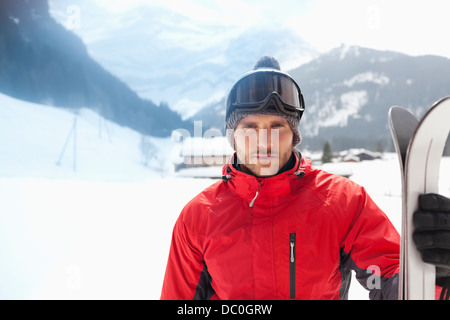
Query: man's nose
x=267, y=138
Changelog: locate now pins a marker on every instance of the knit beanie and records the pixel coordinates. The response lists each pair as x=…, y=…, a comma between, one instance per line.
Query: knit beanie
x=236, y=116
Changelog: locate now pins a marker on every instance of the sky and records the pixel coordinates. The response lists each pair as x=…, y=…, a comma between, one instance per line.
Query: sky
x=414, y=27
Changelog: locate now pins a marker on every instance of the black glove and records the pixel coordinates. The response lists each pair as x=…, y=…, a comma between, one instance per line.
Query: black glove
x=432, y=236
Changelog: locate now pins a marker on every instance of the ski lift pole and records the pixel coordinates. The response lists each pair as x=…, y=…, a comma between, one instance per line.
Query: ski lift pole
x=75, y=144
x=74, y=133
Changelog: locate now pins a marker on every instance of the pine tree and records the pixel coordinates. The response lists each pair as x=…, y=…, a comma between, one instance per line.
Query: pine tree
x=327, y=155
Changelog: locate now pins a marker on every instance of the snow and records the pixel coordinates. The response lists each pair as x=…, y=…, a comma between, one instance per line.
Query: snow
x=103, y=230
x=347, y=50
x=32, y=139
x=15, y=20
x=371, y=77
x=351, y=103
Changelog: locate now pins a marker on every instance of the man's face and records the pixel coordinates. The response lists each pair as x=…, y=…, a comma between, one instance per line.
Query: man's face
x=263, y=144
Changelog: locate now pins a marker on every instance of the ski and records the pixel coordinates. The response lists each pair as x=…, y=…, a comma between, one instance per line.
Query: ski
x=419, y=146
x=402, y=124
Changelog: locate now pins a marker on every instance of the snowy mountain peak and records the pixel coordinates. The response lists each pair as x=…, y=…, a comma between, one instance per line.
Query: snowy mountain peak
x=348, y=51
x=167, y=56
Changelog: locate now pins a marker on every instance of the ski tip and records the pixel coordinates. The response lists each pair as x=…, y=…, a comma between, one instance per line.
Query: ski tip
x=401, y=115
x=398, y=110
x=402, y=124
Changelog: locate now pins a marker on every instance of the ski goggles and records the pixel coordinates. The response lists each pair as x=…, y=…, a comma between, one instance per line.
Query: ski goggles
x=257, y=89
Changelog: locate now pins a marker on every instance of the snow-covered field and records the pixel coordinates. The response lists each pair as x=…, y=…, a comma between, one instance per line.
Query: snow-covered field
x=101, y=229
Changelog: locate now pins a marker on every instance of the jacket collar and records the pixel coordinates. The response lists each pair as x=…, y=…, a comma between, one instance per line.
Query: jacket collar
x=250, y=187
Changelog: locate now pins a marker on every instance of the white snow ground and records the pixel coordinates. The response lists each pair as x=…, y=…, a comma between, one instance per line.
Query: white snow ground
x=103, y=231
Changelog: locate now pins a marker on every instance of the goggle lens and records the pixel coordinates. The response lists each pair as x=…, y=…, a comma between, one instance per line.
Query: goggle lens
x=255, y=88
x=253, y=91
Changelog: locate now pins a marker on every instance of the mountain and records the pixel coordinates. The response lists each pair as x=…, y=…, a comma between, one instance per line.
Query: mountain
x=189, y=67
x=42, y=62
x=167, y=56
x=349, y=90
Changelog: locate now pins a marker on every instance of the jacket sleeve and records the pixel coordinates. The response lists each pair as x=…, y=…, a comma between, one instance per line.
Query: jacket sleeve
x=372, y=248
x=186, y=276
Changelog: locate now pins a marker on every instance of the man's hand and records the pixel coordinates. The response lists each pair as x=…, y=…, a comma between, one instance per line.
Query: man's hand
x=432, y=235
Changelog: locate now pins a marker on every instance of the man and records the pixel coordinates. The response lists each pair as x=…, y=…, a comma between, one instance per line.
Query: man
x=276, y=227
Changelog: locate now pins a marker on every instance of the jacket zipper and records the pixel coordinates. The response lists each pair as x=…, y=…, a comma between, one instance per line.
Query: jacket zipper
x=292, y=242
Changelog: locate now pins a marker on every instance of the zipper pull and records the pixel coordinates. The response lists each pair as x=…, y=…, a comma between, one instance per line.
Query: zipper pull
x=260, y=182
x=292, y=241
x=253, y=201
x=292, y=244
x=292, y=251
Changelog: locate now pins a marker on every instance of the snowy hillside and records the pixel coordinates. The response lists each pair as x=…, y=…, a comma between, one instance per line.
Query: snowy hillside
x=33, y=136
x=103, y=231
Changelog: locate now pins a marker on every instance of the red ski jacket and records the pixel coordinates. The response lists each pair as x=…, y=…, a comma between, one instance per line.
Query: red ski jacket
x=296, y=235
